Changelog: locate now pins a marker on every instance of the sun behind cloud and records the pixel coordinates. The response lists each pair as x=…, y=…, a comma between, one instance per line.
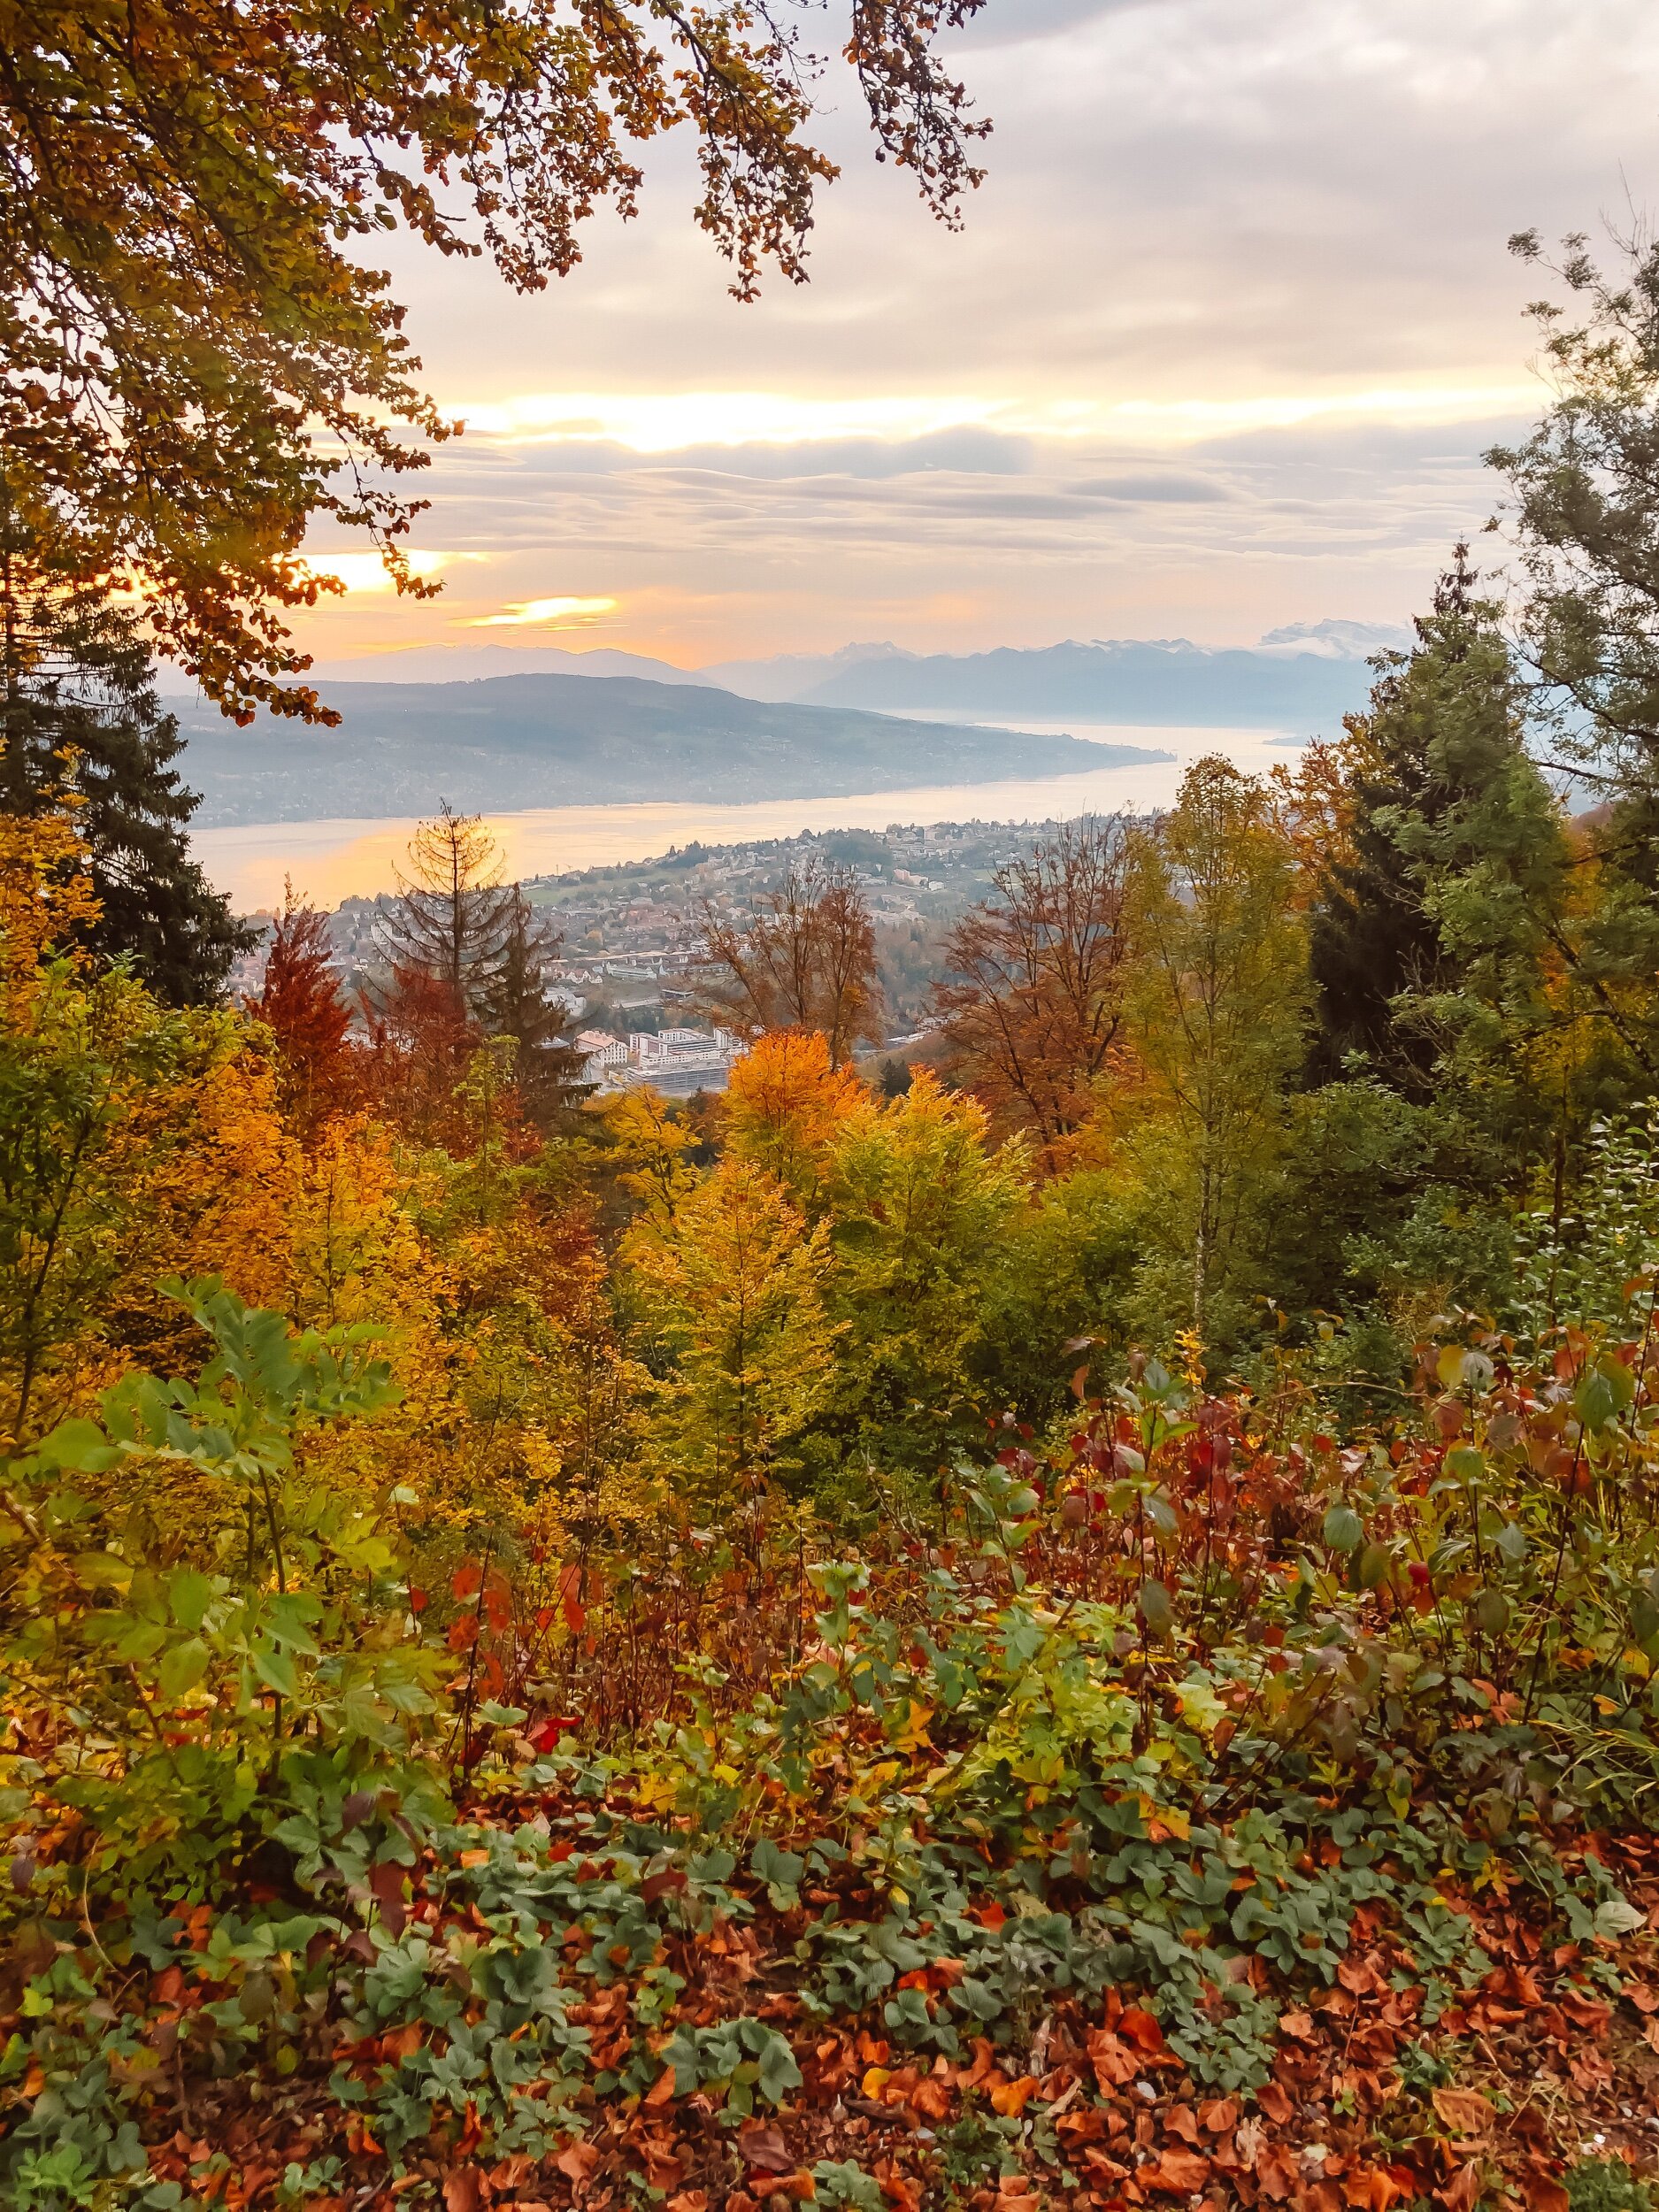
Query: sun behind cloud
x=527, y=611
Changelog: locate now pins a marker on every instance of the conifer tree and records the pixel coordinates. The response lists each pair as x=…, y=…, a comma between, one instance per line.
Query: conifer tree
x=547, y=1068
x=1434, y=932
x=80, y=718
x=453, y=914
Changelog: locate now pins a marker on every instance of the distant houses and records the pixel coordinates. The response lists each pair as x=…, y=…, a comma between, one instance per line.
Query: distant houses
x=675, y=1062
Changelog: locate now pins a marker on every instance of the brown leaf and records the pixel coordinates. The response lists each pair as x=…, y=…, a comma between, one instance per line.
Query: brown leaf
x=1218, y=2114
x=462, y=2189
x=1541, y=2190
x=1465, y=2111
x=1277, y=2172
x=765, y=2147
x=1461, y=2192
x=1009, y=2098
x=1114, y=2062
x=1140, y=2029
x=576, y=2161
x=1298, y=2025
x=1176, y=2171
x=1183, y=2121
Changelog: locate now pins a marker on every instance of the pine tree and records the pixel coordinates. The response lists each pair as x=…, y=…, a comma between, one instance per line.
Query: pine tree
x=1434, y=922
x=453, y=916
x=547, y=1068
x=80, y=717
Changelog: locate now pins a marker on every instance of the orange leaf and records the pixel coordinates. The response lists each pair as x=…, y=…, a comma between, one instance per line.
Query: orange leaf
x=1011, y=2097
x=1140, y=2029
x=1176, y=2171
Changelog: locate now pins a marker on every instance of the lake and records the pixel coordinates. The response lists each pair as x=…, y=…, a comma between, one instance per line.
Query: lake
x=332, y=860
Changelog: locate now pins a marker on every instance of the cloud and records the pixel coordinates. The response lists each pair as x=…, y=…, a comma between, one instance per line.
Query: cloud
x=561, y=612
x=1220, y=348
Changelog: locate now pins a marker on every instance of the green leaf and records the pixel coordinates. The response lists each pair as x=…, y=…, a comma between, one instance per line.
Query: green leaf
x=1155, y=1609
x=276, y=1670
x=778, y=2073
x=181, y=1667
x=1492, y=1612
x=1595, y=1401
x=1343, y=1528
x=80, y=1445
x=190, y=1594
x=1617, y=1916
x=780, y=1870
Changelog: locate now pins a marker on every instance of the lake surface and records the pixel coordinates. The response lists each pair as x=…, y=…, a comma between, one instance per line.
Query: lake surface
x=329, y=861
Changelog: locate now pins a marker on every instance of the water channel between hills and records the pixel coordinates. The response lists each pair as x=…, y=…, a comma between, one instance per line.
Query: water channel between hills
x=332, y=860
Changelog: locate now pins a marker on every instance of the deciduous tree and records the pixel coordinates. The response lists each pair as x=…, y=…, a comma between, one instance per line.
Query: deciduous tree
x=806, y=961
x=300, y=1003
x=1033, y=996
x=1217, y=1005
x=198, y=358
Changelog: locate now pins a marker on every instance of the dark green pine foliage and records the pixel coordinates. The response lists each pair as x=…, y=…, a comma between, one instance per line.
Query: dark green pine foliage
x=79, y=714
x=517, y=1003
x=1430, y=931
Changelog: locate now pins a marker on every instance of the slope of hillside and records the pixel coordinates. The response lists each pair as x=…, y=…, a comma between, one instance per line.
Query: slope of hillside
x=572, y=740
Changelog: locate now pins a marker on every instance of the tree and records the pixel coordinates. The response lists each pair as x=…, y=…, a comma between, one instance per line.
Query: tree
x=733, y=1285
x=516, y=1003
x=1033, y=997
x=784, y=1104
x=300, y=1002
x=453, y=916
x=1217, y=1003
x=1586, y=512
x=80, y=718
x=917, y=1205
x=1437, y=783
x=806, y=961
x=198, y=361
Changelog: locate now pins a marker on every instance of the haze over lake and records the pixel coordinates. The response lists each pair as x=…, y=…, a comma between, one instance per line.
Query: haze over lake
x=331, y=860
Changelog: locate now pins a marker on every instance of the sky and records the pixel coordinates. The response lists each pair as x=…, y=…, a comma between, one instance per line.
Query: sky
x=1226, y=334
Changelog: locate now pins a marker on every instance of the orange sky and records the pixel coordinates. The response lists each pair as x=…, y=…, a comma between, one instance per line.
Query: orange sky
x=1228, y=328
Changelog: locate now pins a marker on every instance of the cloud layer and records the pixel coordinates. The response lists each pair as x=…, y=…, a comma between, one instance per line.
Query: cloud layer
x=1228, y=330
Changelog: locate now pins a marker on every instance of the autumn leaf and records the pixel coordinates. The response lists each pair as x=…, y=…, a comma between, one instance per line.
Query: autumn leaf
x=1178, y=2172
x=1465, y=2111
x=1011, y=2097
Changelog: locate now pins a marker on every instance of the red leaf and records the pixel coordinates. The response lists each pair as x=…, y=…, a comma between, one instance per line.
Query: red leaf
x=1141, y=2029
x=466, y=1582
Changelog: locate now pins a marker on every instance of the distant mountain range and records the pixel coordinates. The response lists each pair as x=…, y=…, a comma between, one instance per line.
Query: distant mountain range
x=1301, y=679
x=508, y=742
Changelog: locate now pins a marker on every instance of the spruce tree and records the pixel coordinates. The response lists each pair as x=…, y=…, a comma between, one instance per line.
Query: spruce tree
x=547, y=1067
x=80, y=718
x=1451, y=868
